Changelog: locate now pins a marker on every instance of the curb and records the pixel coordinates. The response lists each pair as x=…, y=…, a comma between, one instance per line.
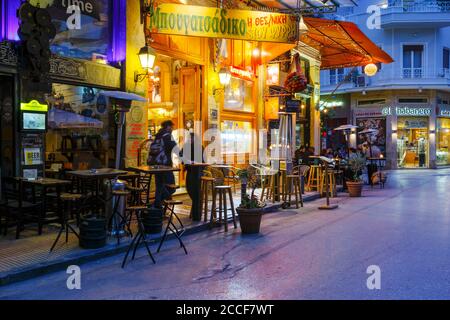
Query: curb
x=111, y=249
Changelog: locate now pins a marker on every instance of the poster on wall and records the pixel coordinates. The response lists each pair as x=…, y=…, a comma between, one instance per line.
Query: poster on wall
x=378, y=139
x=32, y=156
x=83, y=38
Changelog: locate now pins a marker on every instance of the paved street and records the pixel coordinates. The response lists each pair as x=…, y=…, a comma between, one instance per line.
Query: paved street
x=304, y=254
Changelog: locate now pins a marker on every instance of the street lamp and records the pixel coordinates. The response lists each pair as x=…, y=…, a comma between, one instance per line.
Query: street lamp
x=147, y=57
x=371, y=69
x=224, y=78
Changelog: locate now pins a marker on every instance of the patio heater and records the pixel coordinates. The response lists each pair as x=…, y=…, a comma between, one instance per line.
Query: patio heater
x=347, y=130
x=285, y=146
x=121, y=102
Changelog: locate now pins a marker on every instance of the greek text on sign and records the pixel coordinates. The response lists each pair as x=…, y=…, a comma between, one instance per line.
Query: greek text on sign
x=169, y=18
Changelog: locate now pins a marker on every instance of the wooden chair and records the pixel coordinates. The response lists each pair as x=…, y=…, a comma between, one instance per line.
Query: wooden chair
x=17, y=208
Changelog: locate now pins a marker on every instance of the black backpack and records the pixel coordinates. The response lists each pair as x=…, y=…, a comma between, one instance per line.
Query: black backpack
x=157, y=153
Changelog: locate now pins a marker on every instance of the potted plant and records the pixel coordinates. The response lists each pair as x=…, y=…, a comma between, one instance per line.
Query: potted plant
x=250, y=210
x=355, y=185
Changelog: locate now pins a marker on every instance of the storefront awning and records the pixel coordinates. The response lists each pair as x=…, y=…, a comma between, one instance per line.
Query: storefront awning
x=61, y=119
x=341, y=44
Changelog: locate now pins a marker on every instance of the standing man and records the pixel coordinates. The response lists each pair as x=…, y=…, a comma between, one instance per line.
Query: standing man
x=160, y=153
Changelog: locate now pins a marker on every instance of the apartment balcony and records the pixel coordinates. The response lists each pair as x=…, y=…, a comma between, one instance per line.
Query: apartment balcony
x=411, y=13
x=406, y=78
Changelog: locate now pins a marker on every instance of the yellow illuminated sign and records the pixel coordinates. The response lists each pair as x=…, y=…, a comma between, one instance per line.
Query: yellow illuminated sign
x=34, y=105
x=210, y=22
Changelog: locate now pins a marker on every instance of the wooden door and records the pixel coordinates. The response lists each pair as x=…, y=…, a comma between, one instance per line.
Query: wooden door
x=189, y=104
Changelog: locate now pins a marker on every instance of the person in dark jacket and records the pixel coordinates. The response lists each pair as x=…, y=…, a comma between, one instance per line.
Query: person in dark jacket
x=162, y=192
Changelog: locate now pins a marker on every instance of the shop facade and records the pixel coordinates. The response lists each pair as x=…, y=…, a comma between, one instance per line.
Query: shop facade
x=187, y=87
x=62, y=122
x=413, y=127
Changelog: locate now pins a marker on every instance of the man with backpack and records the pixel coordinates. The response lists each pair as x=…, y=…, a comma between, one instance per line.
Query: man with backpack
x=160, y=153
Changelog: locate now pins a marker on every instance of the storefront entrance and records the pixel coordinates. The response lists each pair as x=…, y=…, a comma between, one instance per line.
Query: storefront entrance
x=7, y=126
x=412, y=142
x=175, y=96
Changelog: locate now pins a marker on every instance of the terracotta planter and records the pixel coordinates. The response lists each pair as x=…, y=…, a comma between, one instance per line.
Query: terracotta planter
x=354, y=188
x=250, y=219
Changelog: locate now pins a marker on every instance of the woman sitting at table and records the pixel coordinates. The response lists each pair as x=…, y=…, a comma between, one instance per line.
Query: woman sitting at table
x=160, y=153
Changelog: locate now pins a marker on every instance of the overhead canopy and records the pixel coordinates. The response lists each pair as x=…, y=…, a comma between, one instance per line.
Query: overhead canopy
x=122, y=95
x=341, y=44
x=61, y=119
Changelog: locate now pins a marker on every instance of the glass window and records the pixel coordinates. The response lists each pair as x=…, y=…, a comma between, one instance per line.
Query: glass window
x=81, y=128
x=412, y=142
x=443, y=142
x=239, y=95
x=412, y=61
x=237, y=137
x=336, y=75
x=446, y=58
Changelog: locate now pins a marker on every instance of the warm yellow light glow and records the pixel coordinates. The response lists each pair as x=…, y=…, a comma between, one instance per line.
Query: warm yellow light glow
x=147, y=57
x=371, y=69
x=224, y=76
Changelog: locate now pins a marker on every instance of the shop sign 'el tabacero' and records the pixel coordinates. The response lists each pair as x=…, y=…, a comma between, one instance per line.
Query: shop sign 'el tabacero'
x=197, y=21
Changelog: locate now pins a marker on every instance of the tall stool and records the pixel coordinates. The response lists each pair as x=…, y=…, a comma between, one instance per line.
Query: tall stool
x=315, y=173
x=331, y=181
x=222, y=191
x=205, y=182
x=68, y=199
x=169, y=205
x=139, y=237
x=291, y=187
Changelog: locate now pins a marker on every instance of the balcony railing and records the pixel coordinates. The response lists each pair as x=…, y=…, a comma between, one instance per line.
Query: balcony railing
x=412, y=73
x=420, y=6
x=409, y=75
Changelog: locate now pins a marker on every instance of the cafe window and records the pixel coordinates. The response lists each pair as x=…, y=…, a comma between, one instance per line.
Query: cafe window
x=363, y=103
x=239, y=95
x=413, y=100
x=443, y=142
x=81, y=128
x=237, y=137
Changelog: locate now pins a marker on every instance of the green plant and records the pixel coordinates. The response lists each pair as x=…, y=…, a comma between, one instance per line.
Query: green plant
x=357, y=165
x=249, y=178
x=250, y=202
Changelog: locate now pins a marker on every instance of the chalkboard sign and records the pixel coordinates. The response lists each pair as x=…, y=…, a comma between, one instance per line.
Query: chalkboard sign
x=292, y=106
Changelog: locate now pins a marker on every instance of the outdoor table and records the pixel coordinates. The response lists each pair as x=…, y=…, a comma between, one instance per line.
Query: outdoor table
x=98, y=176
x=380, y=163
x=45, y=184
x=194, y=173
x=153, y=170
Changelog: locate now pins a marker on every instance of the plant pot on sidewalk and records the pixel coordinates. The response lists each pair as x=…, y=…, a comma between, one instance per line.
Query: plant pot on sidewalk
x=354, y=188
x=250, y=219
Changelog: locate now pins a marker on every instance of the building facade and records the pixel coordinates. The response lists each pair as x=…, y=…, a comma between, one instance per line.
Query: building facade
x=406, y=101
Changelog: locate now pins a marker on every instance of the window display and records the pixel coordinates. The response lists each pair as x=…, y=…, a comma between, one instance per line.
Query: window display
x=237, y=137
x=412, y=142
x=443, y=142
x=238, y=95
